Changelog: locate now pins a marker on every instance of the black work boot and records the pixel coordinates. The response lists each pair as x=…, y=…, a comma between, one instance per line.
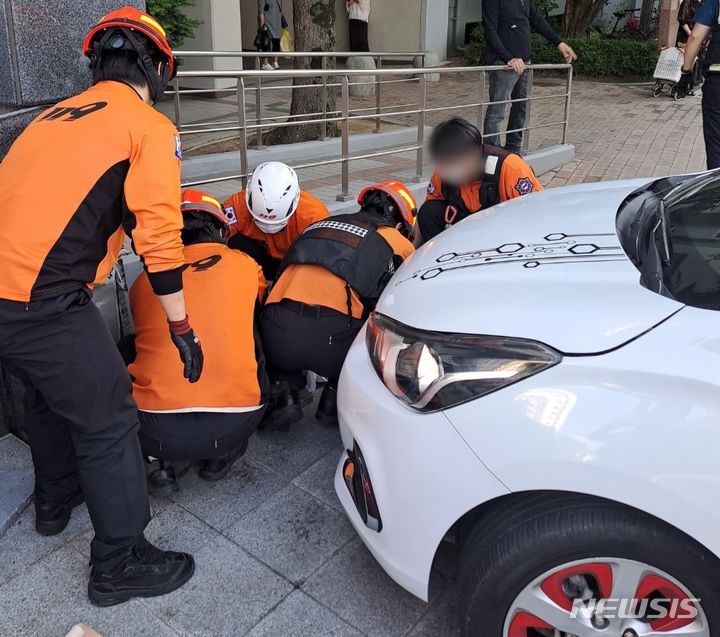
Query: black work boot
x=326, y=412
x=217, y=468
x=161, y=481
x=284, y=409
x=52, y=516
x=145, y=572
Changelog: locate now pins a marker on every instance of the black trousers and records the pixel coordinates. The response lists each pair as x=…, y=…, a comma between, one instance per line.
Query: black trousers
x=196, y=435
x=258, y=251
x=81, y=420
x=711, y=119
x=431, y=219
x=359, y=36
x=298, y=337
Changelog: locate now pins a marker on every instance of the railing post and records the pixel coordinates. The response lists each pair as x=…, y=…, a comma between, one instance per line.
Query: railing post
x=176, y=98
x=345, y=130
x=243, y=137
x=324, y=99
x=258, y=105
x=528, y=111
x=481, y=108
x=422, y=101
x=378, y=97
x=568, y=91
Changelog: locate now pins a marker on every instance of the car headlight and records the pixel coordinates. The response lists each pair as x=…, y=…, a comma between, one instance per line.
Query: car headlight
x=430, y=371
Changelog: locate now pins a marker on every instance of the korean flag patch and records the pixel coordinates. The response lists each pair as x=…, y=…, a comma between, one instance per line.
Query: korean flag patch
x=178, y=147
x=524, y=186
x=230, y=214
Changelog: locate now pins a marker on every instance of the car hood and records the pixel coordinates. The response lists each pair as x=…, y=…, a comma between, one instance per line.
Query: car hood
x=547, y=267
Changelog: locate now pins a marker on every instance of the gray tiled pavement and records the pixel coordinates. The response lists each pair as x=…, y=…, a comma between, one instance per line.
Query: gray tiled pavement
x=275, y=556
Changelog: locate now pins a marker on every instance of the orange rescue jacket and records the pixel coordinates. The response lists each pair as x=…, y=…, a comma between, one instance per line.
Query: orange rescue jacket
x=516, y=179
x=314, y=285
x=96, y=165
x=223, y=289
x=310, y=209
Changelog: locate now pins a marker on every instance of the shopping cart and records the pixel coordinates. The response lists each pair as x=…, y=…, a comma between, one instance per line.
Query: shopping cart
x=668, y=71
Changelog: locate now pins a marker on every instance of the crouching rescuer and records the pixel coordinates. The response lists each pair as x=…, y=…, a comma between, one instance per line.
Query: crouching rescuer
x=107, y=162
x=266, y=218
x=212, y=420
x=327, y=285
x=470, y=176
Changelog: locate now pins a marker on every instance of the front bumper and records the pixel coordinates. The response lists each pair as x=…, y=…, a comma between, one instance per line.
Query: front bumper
x=424, y=476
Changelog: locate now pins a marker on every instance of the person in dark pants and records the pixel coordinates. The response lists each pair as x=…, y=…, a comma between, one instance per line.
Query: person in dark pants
x=706, y=23
x=359, y=16
x=270, y=17
x=686, y=20
x=212, y=420
x=328, y=283
x=108, y=161
x=507, y=38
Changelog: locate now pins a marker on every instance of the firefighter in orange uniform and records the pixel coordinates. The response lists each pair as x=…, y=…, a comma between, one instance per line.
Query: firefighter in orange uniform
x=107, y=163
x=470, y=176
x=327, y=285
x=266, y=218
x=212, y=420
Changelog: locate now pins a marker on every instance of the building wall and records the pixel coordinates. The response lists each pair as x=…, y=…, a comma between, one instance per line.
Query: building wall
x=249, y=12
x=397, y=26
x=434, y=32
x=394, y=26
x=220, y=30
x=468, y=12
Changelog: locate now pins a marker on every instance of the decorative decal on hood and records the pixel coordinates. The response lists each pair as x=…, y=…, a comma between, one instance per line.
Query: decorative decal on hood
x=556, y=248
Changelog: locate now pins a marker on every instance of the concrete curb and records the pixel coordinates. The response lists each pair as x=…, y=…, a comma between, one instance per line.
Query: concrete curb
x=542, y=161
x=18, y=480
x=219, y=164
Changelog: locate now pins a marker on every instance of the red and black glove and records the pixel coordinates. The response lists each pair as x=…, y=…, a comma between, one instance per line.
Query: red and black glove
x=189, y=347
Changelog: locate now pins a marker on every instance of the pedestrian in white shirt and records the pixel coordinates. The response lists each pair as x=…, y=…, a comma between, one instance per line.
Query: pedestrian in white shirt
x=359, y=14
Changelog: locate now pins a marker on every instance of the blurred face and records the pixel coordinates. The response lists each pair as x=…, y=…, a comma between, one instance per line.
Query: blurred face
x=460, y=169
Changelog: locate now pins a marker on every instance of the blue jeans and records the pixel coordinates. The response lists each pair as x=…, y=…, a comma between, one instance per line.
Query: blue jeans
x=506, y=85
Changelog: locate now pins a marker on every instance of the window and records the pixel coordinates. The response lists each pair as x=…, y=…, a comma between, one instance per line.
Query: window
x=671, y=232
x=692, y=215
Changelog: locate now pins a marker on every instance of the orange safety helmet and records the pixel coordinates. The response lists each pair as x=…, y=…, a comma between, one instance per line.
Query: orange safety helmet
x=118, y=31
x=198, y=201
x=399, y=194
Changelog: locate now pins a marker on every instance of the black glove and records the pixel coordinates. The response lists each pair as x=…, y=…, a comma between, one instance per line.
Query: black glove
x=685, y=85
x=189, y=347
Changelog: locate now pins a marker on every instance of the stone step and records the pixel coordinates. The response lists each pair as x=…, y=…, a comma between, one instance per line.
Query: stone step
x=16, y=478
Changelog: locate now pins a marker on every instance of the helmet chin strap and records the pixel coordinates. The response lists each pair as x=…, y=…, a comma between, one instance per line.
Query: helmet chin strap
x=157, y=82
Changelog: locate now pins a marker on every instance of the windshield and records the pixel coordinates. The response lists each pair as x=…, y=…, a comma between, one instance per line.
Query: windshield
x=670, y=229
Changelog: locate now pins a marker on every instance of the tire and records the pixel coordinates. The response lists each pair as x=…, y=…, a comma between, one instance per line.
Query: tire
x=517, y=542
x=657, y=88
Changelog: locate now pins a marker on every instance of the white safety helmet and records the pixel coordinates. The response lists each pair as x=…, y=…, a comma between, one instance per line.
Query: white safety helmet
x=272, y=196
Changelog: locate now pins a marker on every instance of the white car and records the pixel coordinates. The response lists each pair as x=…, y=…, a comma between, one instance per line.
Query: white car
x=542, y=382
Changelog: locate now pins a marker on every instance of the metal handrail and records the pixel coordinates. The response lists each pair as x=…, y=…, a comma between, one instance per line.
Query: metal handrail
x=343, y=116
x=299, y=54
x=361, y=72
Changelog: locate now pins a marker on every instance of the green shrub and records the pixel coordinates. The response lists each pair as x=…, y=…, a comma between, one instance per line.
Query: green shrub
x=597, y=56
x=176, y=24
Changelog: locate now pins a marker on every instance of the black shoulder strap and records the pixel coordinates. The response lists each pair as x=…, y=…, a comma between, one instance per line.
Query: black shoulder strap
x=490, y=189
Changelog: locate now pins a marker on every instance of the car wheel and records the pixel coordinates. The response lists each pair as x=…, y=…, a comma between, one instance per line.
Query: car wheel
x=561, y=565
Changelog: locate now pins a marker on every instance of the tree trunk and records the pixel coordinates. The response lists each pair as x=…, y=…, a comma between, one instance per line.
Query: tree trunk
x=314, y=28
x=579, y=15
x=646, y=15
